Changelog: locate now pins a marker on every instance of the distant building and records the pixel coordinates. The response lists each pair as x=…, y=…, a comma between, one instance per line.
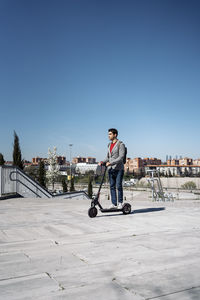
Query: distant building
x=151, y=161
x=128, y=166
x=88, y=160
x=173, y=162
x=8, y=163
x=36, y=160
x=133, y=165
x=61, y=160
x=137, y=165
x=83, y=168
x=196, y=162
x=177, y=167
x=78, y=159
x=91, y=160
x=185, y=161
x=174, y=170
x=27, y=163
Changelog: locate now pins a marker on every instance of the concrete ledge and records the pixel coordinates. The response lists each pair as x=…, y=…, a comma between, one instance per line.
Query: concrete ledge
x=10, y=196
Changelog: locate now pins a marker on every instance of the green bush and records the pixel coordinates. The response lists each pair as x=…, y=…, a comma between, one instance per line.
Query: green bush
x=64, y=185
x=2, y=161
x=190, y=185
x=72, y=188
x=41, y=174
x=142, y=184
x=90, y=192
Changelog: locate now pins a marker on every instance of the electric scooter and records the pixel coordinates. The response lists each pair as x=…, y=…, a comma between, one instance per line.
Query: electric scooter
x=92, y=211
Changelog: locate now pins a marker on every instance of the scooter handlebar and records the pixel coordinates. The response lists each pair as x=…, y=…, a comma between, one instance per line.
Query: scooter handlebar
x=103, y=164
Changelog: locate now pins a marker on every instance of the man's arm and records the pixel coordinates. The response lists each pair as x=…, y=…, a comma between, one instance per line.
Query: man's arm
x=121, y=155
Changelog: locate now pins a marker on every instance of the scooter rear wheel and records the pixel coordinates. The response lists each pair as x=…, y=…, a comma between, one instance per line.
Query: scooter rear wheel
x=126, y=209
x=92, y=212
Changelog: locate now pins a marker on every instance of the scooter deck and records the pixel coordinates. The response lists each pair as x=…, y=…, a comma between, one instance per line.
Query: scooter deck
x=105, y=210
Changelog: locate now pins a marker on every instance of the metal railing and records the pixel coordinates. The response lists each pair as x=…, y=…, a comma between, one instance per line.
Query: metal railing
x=156, y=186
x=13, y=181
x=34, y=184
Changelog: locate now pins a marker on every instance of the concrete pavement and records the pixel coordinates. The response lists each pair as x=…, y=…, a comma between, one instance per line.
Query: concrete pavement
x=51, y=249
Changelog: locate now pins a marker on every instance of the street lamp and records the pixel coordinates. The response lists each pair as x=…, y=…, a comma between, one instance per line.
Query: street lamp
x=70, y=154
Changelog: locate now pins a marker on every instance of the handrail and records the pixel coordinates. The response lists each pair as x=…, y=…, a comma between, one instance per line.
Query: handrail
x=35, y=185
x=31, y=180
x=21, y=172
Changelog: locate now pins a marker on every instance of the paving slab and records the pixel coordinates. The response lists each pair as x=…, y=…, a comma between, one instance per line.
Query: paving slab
x=51, y=249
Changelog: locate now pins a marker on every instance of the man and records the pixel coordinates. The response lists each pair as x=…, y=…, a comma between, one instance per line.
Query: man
x=115, y=163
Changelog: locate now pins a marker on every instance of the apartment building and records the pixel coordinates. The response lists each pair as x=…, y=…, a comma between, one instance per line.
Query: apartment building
x=87, y=160
x=90, y=160
x=151, y=161
x=138, y=164
x=61, y=160
x=175, y=170
x=178, y=167
x=196, y=162
x=173, y=162
x=78, y=159
x=36, y=160
x=82, y=168
x=186, y=161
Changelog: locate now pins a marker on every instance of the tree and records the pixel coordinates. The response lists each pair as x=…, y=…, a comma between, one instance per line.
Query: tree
x=2, y=161
x=162, y=174
x=32, y=172
x=64, y=185
x=90, y=192
x=89, y=173
x=186, y=173
x=53, y=171
x=17, y=156
x=170, y=173
x=41, y=174
x=72, y=189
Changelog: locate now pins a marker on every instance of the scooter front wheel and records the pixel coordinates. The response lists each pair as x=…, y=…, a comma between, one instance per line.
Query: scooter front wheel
x=126, y=209
x=92, y=212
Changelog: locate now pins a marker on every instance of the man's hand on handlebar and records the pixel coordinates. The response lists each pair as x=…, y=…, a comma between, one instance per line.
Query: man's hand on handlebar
x=101, y=163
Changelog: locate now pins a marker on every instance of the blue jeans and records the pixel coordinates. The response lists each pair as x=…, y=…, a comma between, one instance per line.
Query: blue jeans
x=115, y=178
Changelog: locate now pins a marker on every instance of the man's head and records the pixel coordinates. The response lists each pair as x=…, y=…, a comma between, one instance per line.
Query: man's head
x=112, y=134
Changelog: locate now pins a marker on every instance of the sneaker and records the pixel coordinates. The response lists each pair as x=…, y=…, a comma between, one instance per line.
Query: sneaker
x=119, y=205
x=112, y=206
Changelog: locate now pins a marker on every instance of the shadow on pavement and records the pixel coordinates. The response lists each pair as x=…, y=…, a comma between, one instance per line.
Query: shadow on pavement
x=146, y=210
x=135, y=211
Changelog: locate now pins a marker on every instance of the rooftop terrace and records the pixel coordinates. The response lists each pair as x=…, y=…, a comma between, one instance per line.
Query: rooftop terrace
x=51, y=249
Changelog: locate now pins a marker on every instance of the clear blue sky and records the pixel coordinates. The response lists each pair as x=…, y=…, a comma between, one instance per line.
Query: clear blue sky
x=69, y=70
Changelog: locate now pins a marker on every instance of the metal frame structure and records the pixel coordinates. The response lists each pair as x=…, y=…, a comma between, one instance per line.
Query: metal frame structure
x=156, y=186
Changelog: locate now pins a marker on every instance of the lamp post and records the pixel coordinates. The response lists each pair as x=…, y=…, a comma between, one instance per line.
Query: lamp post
x=70, y=154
